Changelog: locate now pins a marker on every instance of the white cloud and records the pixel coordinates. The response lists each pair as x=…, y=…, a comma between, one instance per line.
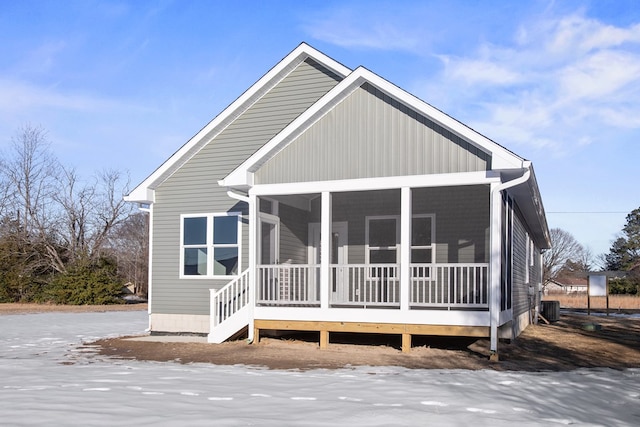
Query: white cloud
x=17, y=96
x=600, y=75
x=355, y=28
x=556, y=85
x=479, y=71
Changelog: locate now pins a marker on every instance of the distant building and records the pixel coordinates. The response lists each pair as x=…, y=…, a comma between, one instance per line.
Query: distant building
x=566, y=285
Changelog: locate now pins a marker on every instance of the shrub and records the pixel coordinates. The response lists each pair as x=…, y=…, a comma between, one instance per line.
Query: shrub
x=624, y=286
x=86, y=283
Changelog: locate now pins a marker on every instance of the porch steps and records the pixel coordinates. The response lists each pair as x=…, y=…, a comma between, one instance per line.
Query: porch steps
x=229, y=309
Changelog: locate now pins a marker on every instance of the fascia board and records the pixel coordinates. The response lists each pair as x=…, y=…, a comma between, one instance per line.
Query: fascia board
x=501, y=157
x=220, y=122
x=381, y=183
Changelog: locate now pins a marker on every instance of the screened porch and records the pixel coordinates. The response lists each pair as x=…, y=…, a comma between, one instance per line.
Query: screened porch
x=447, y=246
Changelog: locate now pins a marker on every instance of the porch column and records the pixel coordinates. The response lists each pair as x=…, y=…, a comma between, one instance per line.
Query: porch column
x=495, y=267
x=405, y=247
x=253, y=256
x=325, y=249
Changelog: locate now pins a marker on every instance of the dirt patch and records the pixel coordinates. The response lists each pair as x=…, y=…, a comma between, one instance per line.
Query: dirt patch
x=612, y=342
x=561, y=346
x=11, y=308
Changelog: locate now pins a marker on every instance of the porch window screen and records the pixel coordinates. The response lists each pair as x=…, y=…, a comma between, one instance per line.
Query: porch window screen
x=210, y=245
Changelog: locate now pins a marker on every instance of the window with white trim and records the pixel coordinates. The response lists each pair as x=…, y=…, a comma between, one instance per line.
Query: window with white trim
x=382, y=244
x=529, y=258
x=382, y=239
x=422, y=239
x=210, y=245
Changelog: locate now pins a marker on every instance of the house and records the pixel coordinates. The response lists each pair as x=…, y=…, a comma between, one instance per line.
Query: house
x=328, y=199
x=566, y=285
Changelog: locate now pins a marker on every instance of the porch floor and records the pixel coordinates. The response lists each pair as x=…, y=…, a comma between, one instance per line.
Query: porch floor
x=405, y=330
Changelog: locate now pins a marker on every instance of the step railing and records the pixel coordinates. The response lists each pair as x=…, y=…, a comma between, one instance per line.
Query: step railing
x=228, y=308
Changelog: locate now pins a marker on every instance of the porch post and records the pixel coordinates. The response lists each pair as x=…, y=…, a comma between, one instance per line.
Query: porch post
x=495, y=267
x=325, y=249
x=405, y=247
x=253, y=254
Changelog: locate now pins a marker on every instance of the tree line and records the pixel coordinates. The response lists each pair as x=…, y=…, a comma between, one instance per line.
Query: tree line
x=65, y=239
x=568, y=258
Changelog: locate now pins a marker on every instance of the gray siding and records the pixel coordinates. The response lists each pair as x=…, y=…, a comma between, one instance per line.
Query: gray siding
x=522, y=300
x=193, y=188
x=520, y=284
x=371, y=135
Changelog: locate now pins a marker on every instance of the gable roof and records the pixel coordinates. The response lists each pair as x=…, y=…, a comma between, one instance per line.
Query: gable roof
x=501, y=157
x=503, y=160
x=143, y=193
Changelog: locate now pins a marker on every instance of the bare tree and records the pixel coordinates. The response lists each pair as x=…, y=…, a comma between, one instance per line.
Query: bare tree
x=565, y=250
x=30, y=170
x=88, y=212
x=130, y=242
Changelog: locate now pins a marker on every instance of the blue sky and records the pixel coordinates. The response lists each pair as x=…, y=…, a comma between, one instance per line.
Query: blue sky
x=123, y=84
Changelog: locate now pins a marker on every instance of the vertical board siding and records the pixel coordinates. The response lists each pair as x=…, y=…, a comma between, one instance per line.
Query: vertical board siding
x=194, y=188
x=367, y=135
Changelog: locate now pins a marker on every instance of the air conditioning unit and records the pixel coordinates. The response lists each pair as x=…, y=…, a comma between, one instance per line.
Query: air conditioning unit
x=551, y=310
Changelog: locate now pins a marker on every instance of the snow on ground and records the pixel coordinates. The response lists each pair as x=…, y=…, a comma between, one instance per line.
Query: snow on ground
x=46, y=378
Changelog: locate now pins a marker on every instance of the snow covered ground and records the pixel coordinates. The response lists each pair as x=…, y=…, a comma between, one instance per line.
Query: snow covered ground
x=45, y=379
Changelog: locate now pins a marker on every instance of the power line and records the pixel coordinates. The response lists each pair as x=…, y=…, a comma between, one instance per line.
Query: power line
x=585, y=212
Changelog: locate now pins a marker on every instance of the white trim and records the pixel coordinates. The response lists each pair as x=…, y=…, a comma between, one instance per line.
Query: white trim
x=253, y=260
x=501, y=158
x=144, y=192
x=326, y=221
x=275, y=221
x=384, y=183
x=150, y=266
x=417, y=317
x=405, y=247
x=210, y=246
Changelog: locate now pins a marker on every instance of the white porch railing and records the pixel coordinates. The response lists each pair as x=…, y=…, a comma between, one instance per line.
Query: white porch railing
x=449, y=285
x=288, y=284
x=442, y=286
x=365, y=285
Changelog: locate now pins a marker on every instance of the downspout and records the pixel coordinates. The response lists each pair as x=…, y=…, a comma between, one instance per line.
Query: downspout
x=252, y=233
x=496, y=254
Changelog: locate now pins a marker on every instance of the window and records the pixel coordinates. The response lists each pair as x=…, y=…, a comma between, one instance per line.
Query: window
x=382, y=245
x=422, y=244
x=382, y=240
x=210, y=245
x=530, y=258
x=422, y=247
